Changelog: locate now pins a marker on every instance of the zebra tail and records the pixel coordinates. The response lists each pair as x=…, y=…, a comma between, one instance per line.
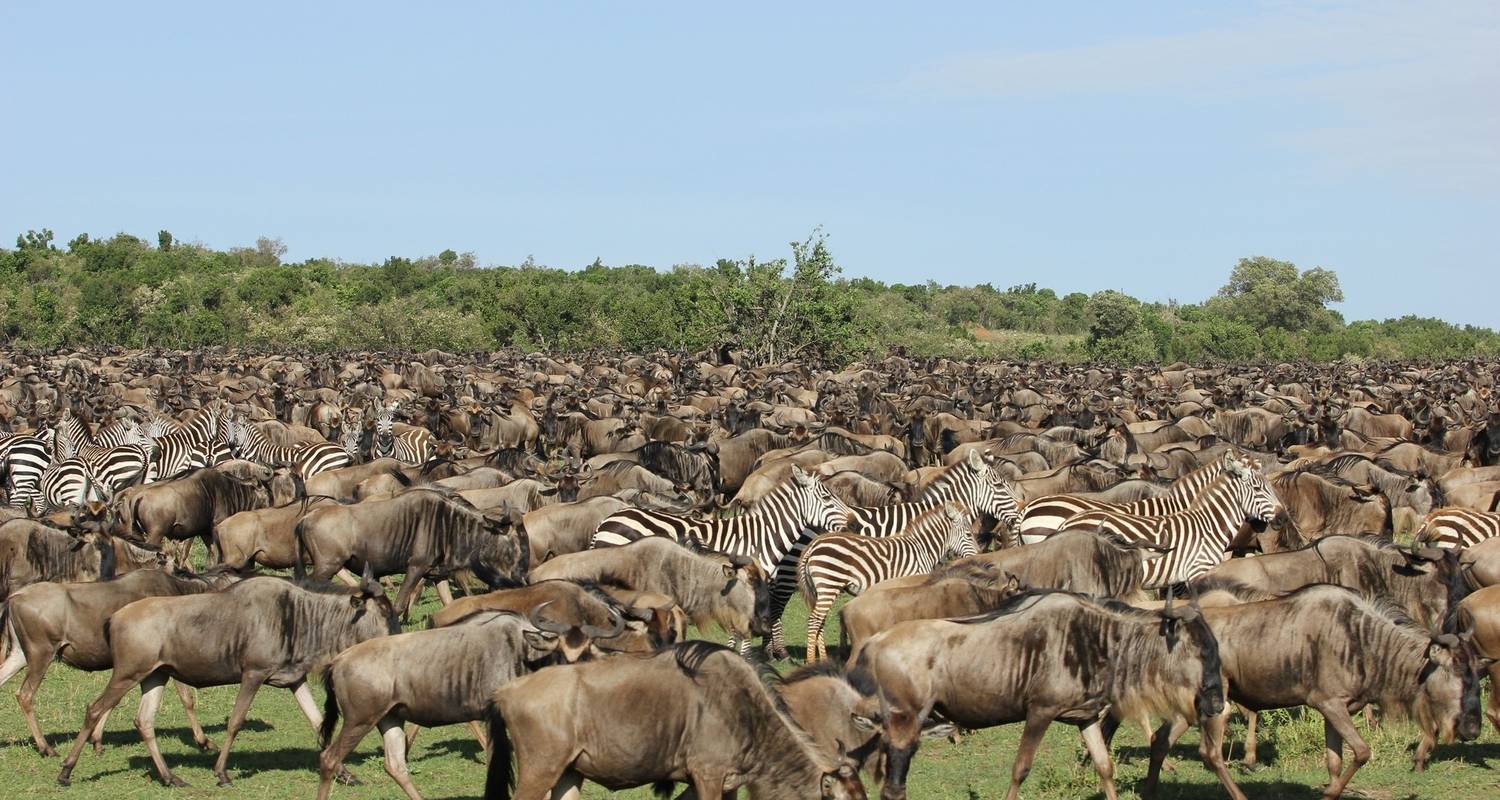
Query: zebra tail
x=805, y=583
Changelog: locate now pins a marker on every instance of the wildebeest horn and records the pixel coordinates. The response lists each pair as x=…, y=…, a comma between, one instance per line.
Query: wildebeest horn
x=1446, y=640
x=738, y=561
x=617, y=627
x=1424, y=554
x=535, y=618
x=368, y=586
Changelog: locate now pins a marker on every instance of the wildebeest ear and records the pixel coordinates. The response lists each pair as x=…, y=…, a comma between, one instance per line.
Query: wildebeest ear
x=542, y=641
x=729, y=570
x=941, y=730
x=864, y=723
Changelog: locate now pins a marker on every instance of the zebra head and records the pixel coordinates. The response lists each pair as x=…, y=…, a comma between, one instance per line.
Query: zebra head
x=990, y=491
x=1252, y=492
x=236, y=433
x=960, y=530
x=817, y=506
x=350, y=441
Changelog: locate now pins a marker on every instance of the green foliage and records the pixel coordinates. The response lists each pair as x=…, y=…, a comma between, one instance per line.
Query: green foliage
x=122, y=290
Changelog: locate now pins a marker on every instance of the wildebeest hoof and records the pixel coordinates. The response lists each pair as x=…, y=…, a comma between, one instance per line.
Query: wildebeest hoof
x=347, y=778
x=64, y=780
x=174, y=782
x=224, y=782
x=47, y=752
x=207, y=746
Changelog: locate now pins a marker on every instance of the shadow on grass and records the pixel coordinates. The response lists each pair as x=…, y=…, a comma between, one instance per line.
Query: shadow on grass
x=243, y=763
x=1279, y=789
x=464, y=747
x=1470, y=753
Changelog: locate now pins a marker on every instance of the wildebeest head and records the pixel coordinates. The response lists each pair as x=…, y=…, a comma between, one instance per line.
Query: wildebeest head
x=505, y=560
x=816, y=504
x=1448, y=702
x=1432, y=585
x=745, y=589
x=554, y=642
x=374, y=614
x=1185, y=627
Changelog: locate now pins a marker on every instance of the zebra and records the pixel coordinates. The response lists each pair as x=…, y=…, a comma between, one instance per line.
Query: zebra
x=305, y=460
x=23, y=459
x=773, y=533
x=413, y=446
x=1199, y=535
x=1046, y=514
x=201, y=442
x=1457, y=528
x=848, y=562
x=973, y=483
x=68, y=482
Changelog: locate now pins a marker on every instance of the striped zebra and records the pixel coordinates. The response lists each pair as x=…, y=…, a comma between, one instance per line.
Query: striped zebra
x=413, y=446
x=1457, y=528
x=773, y=533
x=23, y=459
x=68, y=482
x=973, y=483
x=304, y=459
x=180, y=448
x=1047, y=513
x=1200, y=535
x=118, y=455
x=848, y=562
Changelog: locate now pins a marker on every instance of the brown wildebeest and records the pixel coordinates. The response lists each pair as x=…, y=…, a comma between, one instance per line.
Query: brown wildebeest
x=1071, y=657
x=1481, y=563
x=711, y=588
x=566, y=527
x=568, y=603
x=47, y=621
x=1479, y=619
x=31, y=552
x=1427, y=583
x=1322, y=504
x=265, y=536
x=1328, y=648
x=839, y=710
x=259, y=631
x=424, y=534
x=714, y=725
x=441, y=676
x=340, y=482
x=975, y=588
x=187, y=508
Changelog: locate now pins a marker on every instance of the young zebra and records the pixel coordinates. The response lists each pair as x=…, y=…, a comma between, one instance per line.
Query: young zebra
x=413, y=446
x=1047, y=514
x=773, y=534
x=23, y=459
x=1457, y=528
x=305, y=460
x=1200, y=535
x=973, y=483
x=847, y=562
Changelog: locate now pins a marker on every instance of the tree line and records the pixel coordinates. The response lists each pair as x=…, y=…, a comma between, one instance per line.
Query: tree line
x=126, y=291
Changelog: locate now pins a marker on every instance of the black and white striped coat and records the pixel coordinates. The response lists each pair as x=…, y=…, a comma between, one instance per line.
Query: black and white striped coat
x=1047, y=513
x=305, y=460
x=773, y=534
x=973, y=483
x=181, y=448
x=1457, y=528
x=848, y=562
x=23, y=459
x=1200, y=535
x=413, y=446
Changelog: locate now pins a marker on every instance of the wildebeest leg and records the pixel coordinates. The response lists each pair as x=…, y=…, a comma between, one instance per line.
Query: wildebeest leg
x=145, y=723
x=309, y=706
x=1493, y=711
x=1337, y=727
x=445, y=593
x=189, y=700
x=411, y=587
x=1031, y=738
x=119, y=684
x=1211, y=750
x=36, y=664
x=331, y=760
x=1424, y=749
x=564, y=788
x=1252, y=746
x=394, y=740
x=708, y=787
x=1093, y=741
x=97, y=737
x=478, y=731
x=1161, y=742
x=249, y=685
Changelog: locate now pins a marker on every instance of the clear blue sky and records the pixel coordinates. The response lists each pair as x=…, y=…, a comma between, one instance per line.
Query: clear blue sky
x=1082, y=146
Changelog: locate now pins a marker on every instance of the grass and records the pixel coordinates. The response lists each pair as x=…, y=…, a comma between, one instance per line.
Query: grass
x=275, y=755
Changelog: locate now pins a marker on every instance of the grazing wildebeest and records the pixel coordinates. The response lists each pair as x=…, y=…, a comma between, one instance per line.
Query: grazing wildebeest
x=1326, y=647
x=711, y=588
x=423, y=534
x=1070, y=657
x=47, y=621
x=1426, y=583
x=31, y=551
x=568, y=603
x=260, y=631
x=441, y=676
x=189, y=507
x=713, y=724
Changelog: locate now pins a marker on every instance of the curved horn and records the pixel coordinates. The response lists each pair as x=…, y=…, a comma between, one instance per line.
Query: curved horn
x=534, y=616
x=617, y=627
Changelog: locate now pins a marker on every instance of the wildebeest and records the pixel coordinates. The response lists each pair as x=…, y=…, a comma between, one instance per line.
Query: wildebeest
x=441, y=676
x=1328, y=648
x=1070, y=657
x=1320, y=504
x=47, y=621
x=187, y=508
x=577, y=605
x=711, y=588
x=31, y=551
x=265, y=536
x=949, y=592
x=423, y=534
x=1479, y=621
x=262, y=630
x=713, y=724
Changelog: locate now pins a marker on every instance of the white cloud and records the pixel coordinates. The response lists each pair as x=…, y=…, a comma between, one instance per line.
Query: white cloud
x=1410, y=86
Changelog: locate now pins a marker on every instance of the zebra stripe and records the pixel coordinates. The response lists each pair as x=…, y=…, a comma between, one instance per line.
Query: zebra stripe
x=773, y=534
x=845, y=562
x=306, y=460
x=23, y=459
x=413, y=447
x=1199, y=535
x=973, y=483
x=1456, y=528
x=180, y=448
x=1047, y=513
x=69, y=482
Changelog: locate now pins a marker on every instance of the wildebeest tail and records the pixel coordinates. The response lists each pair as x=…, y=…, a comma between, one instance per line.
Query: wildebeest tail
x=500, y=779
x=6, y=634
x=330, y=708
x=663, y=789
x=297, y=568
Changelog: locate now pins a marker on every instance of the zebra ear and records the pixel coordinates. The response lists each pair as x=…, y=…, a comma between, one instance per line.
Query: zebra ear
x=976, y=459
x=800, y=477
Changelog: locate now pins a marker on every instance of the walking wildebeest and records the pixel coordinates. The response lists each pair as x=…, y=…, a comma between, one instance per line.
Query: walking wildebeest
x=262, y=630
x=1069, y=657
x=713, y=724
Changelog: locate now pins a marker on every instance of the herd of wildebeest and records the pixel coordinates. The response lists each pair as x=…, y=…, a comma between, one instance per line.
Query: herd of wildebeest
x=1024, y=542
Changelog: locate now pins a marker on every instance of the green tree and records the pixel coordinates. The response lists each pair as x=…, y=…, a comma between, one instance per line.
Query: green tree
x=1266, y=293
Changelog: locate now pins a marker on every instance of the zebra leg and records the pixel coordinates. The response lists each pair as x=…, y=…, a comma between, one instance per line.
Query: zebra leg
x=776, y=649
x=817, y=616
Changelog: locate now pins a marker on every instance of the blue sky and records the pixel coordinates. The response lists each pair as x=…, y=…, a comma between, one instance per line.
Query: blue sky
x=1081, y=146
